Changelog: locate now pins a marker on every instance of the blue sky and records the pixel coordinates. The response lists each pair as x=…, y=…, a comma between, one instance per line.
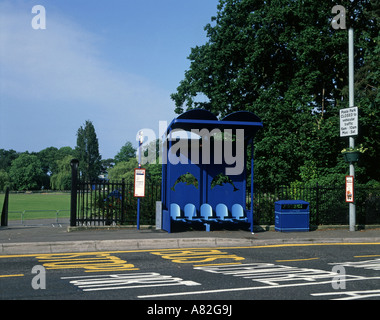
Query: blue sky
x=113, y=62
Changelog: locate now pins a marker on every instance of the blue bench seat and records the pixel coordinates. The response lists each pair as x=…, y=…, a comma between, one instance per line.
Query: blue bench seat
x=175, y=213
x=191, y=213
x=222, y=213
x=206, y=215
x=238, y=213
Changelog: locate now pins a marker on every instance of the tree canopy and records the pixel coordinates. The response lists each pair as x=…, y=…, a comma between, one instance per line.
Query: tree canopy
x=26, y=172
x=127, y=151
x=87, y=152
x=61, y=180
x=283, y=61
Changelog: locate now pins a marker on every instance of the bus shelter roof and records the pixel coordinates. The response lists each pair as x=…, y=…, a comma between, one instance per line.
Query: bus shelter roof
x=198, y=119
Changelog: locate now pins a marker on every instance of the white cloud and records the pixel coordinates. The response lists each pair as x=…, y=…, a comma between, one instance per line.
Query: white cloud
x=63, y=66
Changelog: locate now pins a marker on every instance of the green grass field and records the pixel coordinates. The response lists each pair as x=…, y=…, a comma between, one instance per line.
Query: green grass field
x=37, y=202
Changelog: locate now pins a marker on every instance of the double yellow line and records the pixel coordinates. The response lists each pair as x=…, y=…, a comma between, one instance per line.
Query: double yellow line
x=11, y=275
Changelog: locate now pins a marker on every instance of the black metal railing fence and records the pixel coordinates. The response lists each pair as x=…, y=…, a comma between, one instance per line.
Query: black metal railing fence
x=113, y=203
x=327, y=203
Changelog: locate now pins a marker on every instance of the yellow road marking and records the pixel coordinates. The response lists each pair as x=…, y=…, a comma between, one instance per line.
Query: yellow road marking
x=368, y=256
x=196, y=256
x=98, y=262
x=11, y=275
x=297, y=260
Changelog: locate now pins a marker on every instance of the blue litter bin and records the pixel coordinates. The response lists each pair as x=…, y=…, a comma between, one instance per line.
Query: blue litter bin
x=292, y=215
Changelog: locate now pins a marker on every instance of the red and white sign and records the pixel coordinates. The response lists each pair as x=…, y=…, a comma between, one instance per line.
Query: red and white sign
x=349, y=189
x=140, y=183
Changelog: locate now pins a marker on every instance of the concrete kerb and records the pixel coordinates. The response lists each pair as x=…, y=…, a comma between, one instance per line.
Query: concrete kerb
x=111, y=227
x=153, y=244
x=114, y=245
x=257, y=228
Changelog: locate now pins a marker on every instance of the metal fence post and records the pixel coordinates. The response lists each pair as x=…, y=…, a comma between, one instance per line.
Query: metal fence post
x=74, y=176
x=4, y=212
x=122, y=201
x=317, y=204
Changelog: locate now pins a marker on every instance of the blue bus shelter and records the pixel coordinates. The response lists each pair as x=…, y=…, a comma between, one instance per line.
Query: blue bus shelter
x=204, y=171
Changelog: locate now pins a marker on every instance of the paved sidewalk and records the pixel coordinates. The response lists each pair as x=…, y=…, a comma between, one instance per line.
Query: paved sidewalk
x=48, y=238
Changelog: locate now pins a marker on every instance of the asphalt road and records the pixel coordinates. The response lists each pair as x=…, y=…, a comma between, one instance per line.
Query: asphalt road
x=178, y=283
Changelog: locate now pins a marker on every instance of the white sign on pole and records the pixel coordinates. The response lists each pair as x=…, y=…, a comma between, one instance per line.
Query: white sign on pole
x=139, y=182
x=349, y=122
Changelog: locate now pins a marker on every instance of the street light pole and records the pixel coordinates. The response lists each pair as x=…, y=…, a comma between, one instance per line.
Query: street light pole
x=352, y=208
x=141, y=138
x=339, y=22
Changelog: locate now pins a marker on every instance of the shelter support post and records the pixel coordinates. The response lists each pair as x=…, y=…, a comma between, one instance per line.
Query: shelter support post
x=252, y=187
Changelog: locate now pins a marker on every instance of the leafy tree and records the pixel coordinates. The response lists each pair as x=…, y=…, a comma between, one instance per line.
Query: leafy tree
x=61, y=180
x=150, y=152
x=106, y=165
x=154, y=173
x=6, y=158
x=26, y=172
x=126, y=152
x=283, y=61
x=367, y=83
x=87, y=152
x=48, y=157
x=4, y=180
x=123, y=170
x=65, y=151
x=126, y=169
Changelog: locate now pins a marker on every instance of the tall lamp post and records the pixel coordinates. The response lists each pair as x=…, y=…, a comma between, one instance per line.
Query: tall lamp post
x=352, y=207
x=339, y=22
x=141, y=138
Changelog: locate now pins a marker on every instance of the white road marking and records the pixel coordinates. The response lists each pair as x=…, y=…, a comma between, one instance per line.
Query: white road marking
x=243, y=289
x=127, y=281
x=269, y=275
x=351, y=295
